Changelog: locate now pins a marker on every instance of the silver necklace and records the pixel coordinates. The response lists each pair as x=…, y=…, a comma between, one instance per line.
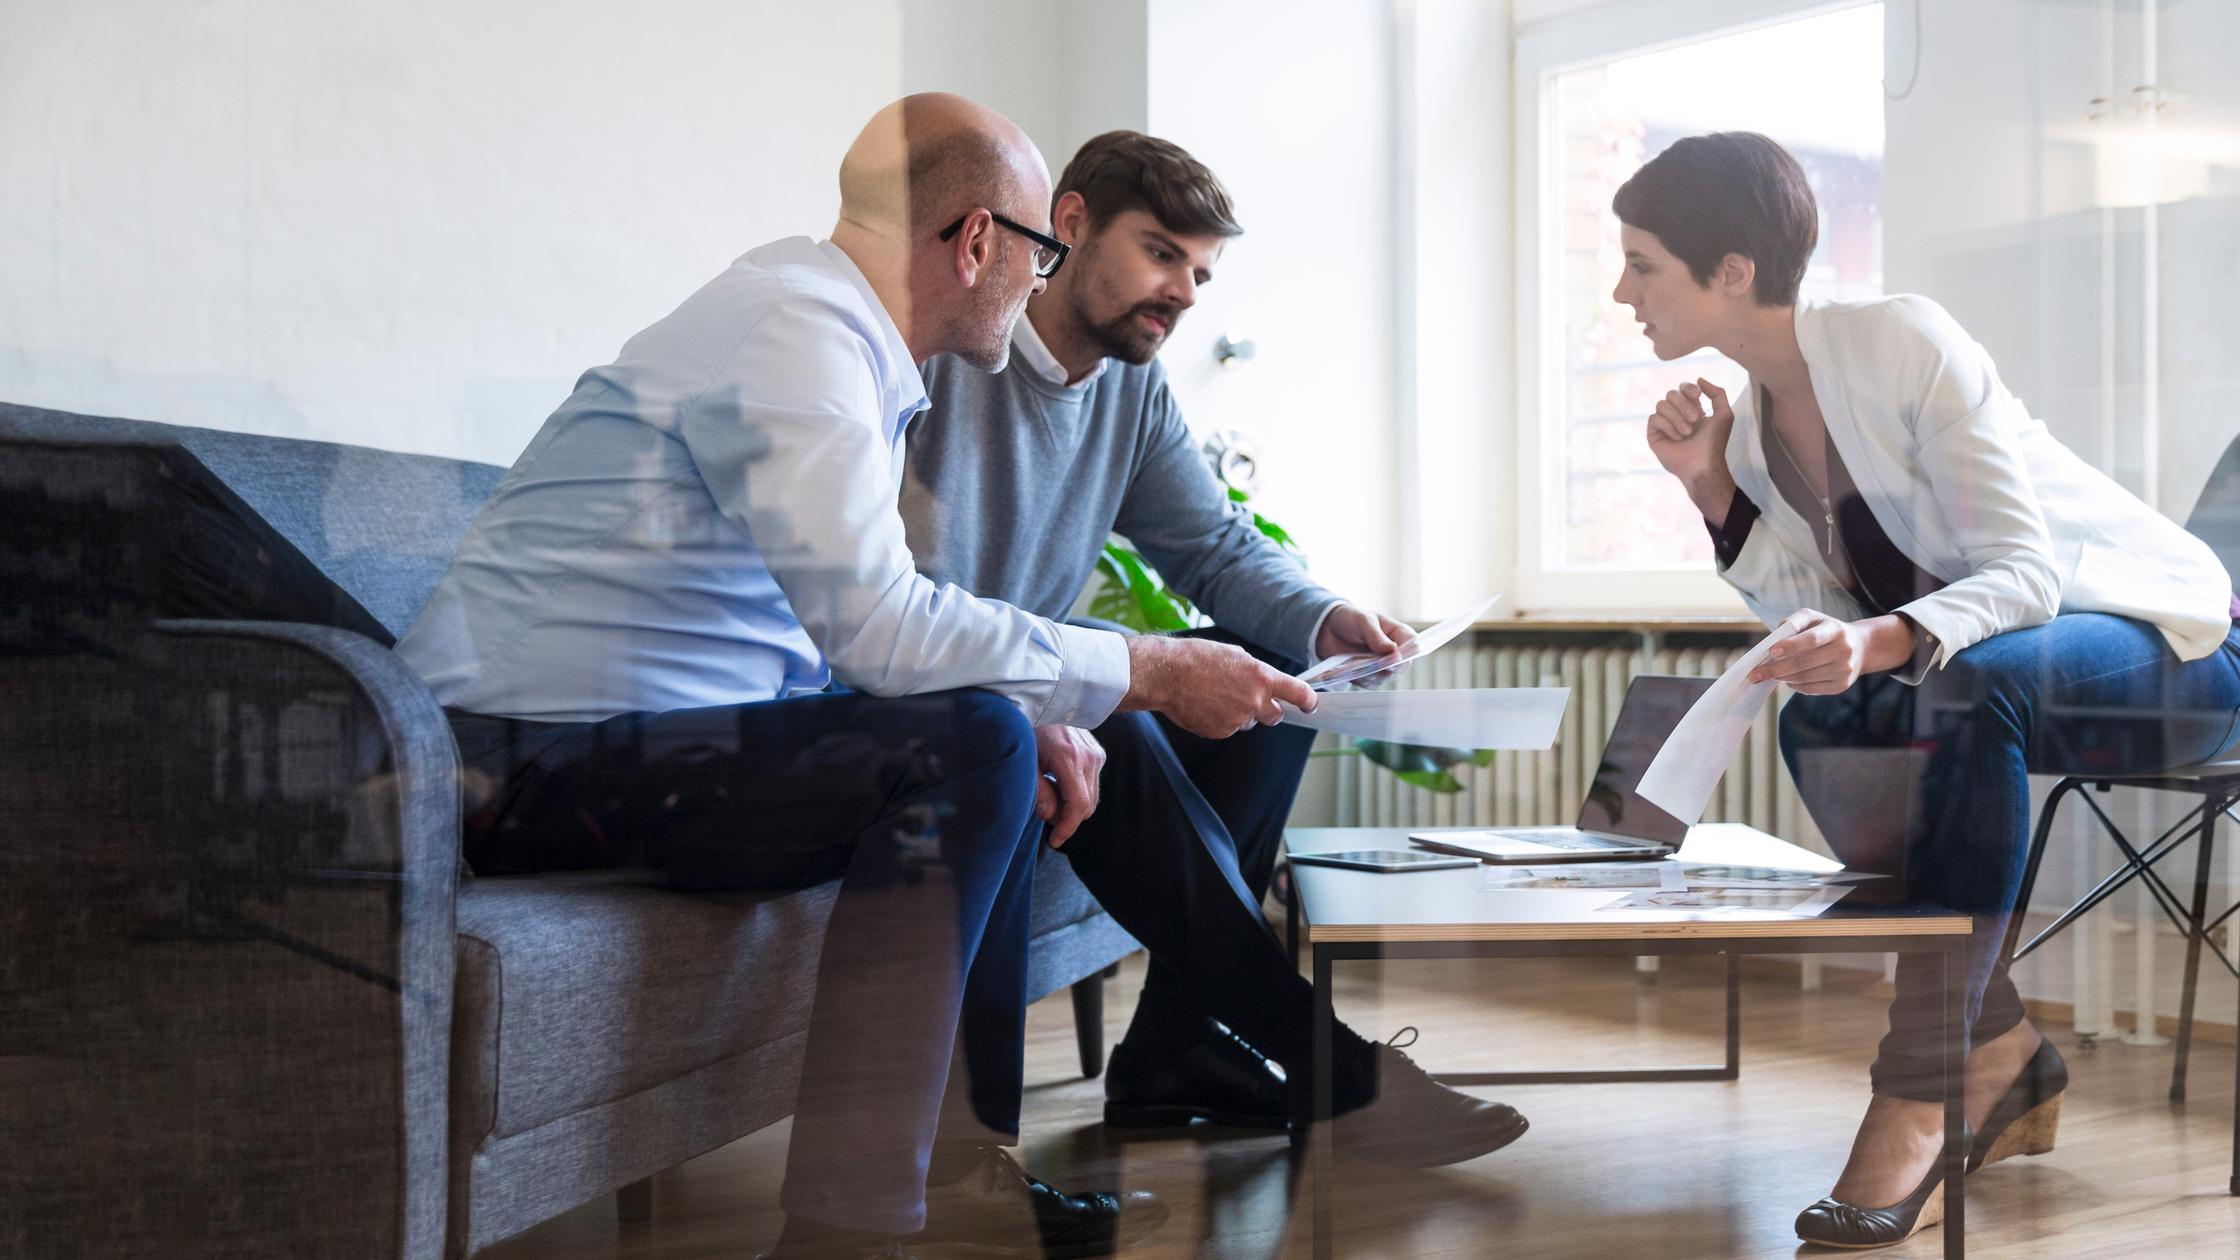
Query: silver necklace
x=1827, y=507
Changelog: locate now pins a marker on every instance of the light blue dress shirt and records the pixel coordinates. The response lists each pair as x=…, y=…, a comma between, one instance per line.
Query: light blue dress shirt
x=711, y=519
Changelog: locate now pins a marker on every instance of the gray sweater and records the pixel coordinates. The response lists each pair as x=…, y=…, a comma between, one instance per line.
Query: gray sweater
x=1013, y=481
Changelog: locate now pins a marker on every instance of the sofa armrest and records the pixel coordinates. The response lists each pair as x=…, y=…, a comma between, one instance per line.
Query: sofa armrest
x=226, y=947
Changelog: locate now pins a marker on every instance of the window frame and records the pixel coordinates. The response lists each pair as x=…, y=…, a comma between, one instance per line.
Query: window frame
x=1544, y=50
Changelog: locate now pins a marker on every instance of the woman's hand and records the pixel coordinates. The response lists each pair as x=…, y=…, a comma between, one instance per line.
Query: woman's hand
x=1827, y=656
x=1688, y=435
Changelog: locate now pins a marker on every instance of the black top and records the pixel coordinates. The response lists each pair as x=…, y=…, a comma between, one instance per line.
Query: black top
x=1866, y=564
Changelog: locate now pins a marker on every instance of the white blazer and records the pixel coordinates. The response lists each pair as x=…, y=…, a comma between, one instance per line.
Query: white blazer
x=1971, y=488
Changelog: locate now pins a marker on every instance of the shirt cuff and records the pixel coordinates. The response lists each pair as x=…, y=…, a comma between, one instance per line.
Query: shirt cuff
x=1092, y=678
x=1314, y=636
x=1728, y=537
x=1925, y=647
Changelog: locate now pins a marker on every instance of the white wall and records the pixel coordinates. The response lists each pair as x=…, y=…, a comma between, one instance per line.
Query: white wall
x=410, y=224
x=1292, y=106
x=1458, y=334
x=1064, y=70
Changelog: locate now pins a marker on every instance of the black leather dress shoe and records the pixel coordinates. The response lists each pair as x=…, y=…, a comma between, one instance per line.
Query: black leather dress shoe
x=1220, y=1080
x=998, y=1210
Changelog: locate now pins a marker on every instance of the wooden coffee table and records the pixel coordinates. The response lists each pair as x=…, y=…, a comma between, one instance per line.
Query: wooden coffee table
x=1355, y=915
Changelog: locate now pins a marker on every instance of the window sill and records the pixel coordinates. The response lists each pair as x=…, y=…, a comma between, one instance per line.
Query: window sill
x=1547, y=622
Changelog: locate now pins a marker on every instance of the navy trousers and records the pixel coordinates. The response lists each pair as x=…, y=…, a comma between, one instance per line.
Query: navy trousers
x=922, y=806
x=1180, y=852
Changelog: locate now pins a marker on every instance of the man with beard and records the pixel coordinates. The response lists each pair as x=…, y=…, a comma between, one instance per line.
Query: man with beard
x=1013, y=481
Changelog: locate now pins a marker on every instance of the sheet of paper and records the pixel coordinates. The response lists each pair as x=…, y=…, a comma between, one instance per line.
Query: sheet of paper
x=1684, y=773
x=1739, y=844
x=1794, y=903
x=1664, y=875
x=1484, y=717
x=1334, y=672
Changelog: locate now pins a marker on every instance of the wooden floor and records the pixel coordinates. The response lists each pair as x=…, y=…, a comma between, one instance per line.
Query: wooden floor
x=1714, y=1170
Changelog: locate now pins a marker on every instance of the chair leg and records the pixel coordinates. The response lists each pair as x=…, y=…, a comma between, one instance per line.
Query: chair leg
x=2208, y=842
x=1088, y=1022
x=2030, y=868
x=634, y=1203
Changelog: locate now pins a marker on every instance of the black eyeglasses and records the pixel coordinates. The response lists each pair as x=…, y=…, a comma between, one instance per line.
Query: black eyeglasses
x=1049, y=252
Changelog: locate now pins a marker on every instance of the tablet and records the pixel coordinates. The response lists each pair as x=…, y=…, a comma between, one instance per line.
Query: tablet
x=1387, y=860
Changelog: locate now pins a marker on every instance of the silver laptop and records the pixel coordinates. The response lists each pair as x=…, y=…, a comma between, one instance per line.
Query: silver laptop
x=1615, y=824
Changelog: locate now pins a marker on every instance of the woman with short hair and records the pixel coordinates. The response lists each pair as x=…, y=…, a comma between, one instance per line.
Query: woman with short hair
x=1967, y=585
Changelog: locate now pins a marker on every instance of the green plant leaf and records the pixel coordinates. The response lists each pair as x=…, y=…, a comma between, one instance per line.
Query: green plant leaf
x=1482, y=757
x=1429, y=780
x=1276, y=533
x=1135, y=596
x=1237, y=496
x=1410, y=758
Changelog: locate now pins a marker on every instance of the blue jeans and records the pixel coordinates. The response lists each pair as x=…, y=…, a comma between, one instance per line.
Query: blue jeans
x=2083, y=693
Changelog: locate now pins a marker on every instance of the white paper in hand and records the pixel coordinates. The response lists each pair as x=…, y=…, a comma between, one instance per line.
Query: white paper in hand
x=1334, y=672
x=1682, y=776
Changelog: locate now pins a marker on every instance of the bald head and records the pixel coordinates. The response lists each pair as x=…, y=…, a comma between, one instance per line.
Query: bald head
x=927, y=159
x=924, y=163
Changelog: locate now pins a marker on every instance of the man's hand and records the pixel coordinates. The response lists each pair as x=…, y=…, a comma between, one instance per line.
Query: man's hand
x=1351, y=631
x=1072, y=763
x=1688, y=435
x=1827, y=656
x=1208, y=688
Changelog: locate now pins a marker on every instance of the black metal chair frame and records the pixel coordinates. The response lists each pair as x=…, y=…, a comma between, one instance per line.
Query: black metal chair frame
x=2219, y=792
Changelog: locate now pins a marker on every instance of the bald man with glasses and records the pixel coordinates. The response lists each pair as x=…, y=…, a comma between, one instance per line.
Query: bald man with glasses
x=686, y=632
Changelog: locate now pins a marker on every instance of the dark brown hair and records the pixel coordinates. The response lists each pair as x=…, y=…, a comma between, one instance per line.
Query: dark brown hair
x=1730, y=192
x=1128, y=170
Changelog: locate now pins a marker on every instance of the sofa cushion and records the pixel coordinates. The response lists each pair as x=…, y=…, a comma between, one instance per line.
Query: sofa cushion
x=579, y=989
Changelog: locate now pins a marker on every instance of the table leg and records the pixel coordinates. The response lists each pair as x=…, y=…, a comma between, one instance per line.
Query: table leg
x=1291, y=918
x=1951, y=970
x=1734, y=1015
x=1320, y=1133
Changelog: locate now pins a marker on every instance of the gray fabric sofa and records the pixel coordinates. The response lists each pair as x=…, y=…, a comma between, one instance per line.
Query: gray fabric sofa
x=249, y=1006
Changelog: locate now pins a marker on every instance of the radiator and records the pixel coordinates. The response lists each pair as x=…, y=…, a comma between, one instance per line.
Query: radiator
x=1531, y=788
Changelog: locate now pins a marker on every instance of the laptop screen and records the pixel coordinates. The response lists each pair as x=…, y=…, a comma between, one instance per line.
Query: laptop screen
x=1654, y=705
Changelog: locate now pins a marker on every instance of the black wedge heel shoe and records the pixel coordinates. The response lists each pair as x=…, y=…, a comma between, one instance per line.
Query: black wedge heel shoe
x=1834, y=1223
x=2025, y=1120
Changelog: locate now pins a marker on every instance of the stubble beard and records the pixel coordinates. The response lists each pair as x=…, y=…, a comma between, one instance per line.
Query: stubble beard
x=1124, y=338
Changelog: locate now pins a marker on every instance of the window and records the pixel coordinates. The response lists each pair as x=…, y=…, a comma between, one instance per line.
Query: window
x=1604, y=525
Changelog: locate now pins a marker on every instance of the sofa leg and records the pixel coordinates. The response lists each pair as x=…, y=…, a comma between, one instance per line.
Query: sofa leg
x=634, y=1203
x=1088, y=1023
